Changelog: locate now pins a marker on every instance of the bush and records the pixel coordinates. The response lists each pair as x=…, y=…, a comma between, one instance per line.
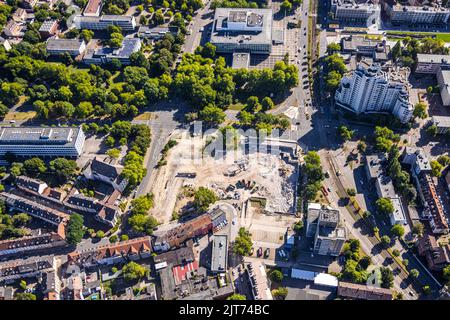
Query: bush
x=276, y=275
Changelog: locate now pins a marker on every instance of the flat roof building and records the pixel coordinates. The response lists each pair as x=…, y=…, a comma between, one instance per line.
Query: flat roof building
x=366, y=12
x=378, y=50
x=431, y=63
x=74, y=47
x=93, y=8
x=48, y=28
x=443, y=79
x=242, y=29
x=126, y=23
x=363, y=292
x=442, y=123
x=42, y=141
x=103, y=55
x=219, y=256
x=156, y=33
x=421, y=12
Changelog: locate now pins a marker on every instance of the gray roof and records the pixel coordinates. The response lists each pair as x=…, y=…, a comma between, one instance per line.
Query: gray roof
x=38, y=135
x=441, y=121
x=433, y=58
x=64, y=44
x=106, y=169
x=47, y=25
x=219, y=254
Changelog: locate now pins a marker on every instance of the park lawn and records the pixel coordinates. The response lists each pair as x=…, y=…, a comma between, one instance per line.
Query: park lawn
x=443, y=36
x=236, y=106
x=21, y=116
x=144, y=116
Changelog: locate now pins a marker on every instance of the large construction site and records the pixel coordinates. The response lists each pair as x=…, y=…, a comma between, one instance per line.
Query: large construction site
x=238, y=176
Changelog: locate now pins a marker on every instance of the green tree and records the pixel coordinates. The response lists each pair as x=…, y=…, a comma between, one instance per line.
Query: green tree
x=420, y=111
x=418, y=229
x=345, y=133
x=20, y=219
x=34, y=167
x=267, y=104
x=113, y=153
x=281, y=292
x=24, y=296
x=398, y=230
x=384, y=206
x=362, y=146
x=100, y=234
x=446, y=272
x=213, y=115
x=133, y=271
x=414, y=273
x=74, y=230
x=236, y=296
x=385, y=241
x=276, y=275
x=387, y=277
x=243, y=243
x=436, y=168
x=142, y=204
x=432, y=130
x=333, y=48
x=63, y=168
x=143, y=223
x=204, y=197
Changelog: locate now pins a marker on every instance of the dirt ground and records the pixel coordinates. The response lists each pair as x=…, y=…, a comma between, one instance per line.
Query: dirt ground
x=265, y=175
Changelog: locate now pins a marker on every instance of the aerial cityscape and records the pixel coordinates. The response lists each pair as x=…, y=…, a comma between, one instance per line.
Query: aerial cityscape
x=225, y=150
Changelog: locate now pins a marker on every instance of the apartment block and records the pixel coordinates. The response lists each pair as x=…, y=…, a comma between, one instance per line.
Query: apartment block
x=369, y=90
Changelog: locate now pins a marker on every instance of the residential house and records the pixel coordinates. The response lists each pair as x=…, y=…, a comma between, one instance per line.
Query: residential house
x=106, y=171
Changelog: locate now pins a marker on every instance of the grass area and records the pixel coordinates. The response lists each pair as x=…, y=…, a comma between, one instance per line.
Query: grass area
x=144, y=116
x=442, y=36
x=21, y=116
x=236, y=106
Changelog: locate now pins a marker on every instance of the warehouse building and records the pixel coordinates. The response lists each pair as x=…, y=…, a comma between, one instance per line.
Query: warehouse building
x=219, y=254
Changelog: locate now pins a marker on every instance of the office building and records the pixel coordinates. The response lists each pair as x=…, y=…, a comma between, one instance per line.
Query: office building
x=365, y=12
x=369, y=90
x=248, y=30
x=156, y=33
x=431, y=63
x=421, y=12
x=442, y=123
x=323, y=223
x=443, y=80
x=74, y=47
x=42, y=141
x=126, y=23
x=378, y=50
x=103, y=55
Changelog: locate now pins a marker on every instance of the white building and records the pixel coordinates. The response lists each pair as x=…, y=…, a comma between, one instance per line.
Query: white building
x=74, y=47
x=370, y=90
x=417, y=14
x=362, y=11
x=443, y=80
x=126, y=23
x=44, y=142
